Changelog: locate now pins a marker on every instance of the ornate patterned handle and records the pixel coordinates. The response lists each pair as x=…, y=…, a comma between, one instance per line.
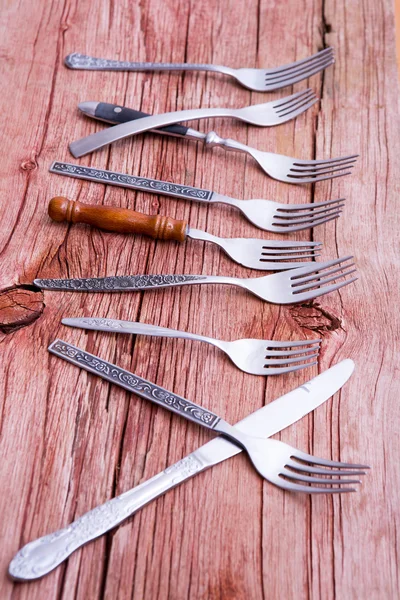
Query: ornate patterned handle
x=41, y=556
x=124, y=283
x=131, y=182
x=134, y=383
x=90, y=63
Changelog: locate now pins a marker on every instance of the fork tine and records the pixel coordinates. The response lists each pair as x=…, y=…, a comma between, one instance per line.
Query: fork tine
x=277, y=244
x=309, y=458
x=304, y=296
x=320, y=281
x=307, y=225
x=288, y=361
x=276, y=344
x=322, y=53
x=288, y=99
x=308, y=489
x=318, y=178
x=308, y=206
x=325, y=160
x=309, y=469
x=305, y=353
x=300, y=110
x=320, y=215
x=291, y=369
x=309, y=479
x=281, y=245
x=298, y=71
x=283, y=259
x=314, y=175
x=267, y=250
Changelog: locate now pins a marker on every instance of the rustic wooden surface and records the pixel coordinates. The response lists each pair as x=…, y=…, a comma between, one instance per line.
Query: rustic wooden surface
x=70, y=441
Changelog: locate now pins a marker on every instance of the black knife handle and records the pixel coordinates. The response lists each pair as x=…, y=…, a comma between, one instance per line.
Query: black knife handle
x=120, y=114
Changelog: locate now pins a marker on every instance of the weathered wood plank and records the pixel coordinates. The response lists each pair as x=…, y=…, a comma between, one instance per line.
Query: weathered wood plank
x=70, y=441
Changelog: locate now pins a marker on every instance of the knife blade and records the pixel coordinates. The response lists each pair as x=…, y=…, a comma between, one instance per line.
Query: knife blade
x=104, y=137
x=41, y=556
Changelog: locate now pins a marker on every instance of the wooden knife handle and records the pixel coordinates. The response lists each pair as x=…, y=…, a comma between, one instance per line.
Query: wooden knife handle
x=121, y=220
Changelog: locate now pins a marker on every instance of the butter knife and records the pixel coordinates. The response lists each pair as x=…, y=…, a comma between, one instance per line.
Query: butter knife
x=41, y=556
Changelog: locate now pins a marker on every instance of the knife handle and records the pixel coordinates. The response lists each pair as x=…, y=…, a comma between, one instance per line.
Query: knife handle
x=39, y=557
x=121, y=220
x=112, y=113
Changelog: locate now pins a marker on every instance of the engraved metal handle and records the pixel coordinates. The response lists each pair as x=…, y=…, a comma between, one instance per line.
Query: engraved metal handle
x=41, y=556
x=129, y=283
x=91, y=63
x=135, y=384
x=175, y=190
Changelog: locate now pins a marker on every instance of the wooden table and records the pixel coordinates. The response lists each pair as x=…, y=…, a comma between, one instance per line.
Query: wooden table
x=70, y=441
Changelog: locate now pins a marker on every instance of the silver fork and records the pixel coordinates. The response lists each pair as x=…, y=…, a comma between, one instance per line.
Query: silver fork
x=287, y=287
x=265, y=255
x=265, y=214
x=261, y=80
x=283, y=168
x=267, y=114
x=257, y=357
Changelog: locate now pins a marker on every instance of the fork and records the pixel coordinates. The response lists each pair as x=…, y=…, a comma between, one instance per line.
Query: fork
x=257, y=357
x=265, y=214
x=265, y=255
x=267, y=114
x=277, y=462
x=288, y=287
x=260, y=80
x=283, y=168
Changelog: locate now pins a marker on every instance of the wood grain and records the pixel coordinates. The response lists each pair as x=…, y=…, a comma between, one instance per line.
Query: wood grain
x=70, y=441
x=115, y=219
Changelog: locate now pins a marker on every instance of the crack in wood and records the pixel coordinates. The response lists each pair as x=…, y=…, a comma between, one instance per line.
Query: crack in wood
x=313, y=316
x=20, y=306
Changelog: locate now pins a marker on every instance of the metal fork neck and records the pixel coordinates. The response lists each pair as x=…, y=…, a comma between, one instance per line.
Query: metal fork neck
x=232, y=433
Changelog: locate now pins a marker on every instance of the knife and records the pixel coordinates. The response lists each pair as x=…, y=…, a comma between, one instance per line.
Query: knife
x=41, y=556
x=115, y=114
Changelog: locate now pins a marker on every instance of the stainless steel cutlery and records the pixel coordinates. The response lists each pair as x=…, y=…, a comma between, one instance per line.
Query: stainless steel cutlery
x=41, y=556
x=295, y=285
x=277, y=166
x=257, y=357
x=264, y=255
x=261, y=80
x=265, y=214
x=299, y=281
